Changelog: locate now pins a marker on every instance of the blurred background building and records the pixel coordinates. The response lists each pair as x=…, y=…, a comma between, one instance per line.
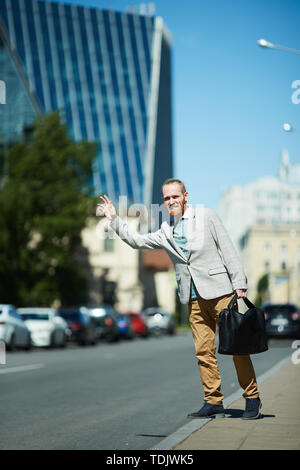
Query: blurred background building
x=271, y=255
x=269, y=200
x=110, y=75
x=263, y=219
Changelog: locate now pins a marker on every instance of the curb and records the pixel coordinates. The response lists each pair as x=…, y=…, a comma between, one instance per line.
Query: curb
x=194, y=425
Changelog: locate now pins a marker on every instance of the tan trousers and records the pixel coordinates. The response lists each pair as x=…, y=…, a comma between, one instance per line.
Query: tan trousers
x=204, y=315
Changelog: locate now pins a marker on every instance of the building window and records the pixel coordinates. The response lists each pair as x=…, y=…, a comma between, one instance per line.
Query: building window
x=283, y=266
x=267, y=266
x=109, y=245
x=267, y=247
x=283, y=248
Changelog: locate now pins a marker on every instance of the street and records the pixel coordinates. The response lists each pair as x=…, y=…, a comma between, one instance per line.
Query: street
x=124, y=396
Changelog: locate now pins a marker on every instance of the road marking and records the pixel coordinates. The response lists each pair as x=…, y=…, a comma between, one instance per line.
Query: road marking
x=187, y=429
x=9, y=370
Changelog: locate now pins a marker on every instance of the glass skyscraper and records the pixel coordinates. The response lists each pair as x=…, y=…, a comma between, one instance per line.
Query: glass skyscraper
x=110, y=75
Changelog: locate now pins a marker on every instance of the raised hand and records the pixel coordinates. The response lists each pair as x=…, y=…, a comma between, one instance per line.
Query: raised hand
x=106, y=208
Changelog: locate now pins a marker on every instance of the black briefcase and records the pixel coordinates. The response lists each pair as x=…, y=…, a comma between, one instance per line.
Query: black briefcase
x=242, y=333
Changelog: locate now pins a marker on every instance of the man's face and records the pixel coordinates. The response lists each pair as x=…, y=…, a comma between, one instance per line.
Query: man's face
x=174, y=199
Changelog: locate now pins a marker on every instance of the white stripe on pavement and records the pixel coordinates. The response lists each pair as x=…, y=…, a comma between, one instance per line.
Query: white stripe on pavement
x=9, y=370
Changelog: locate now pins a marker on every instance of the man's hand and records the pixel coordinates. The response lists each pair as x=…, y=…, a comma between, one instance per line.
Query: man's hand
x=107, y=208
x=241, y=293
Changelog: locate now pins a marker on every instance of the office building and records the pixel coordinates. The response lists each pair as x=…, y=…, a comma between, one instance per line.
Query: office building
x=272, y=200
x=273, y=250
x=109, y=73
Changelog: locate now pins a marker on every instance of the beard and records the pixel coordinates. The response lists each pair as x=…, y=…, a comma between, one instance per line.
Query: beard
x=178, y=210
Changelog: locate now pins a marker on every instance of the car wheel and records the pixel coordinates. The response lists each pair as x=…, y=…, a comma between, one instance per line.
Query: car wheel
x=84, y=341
x=11, y=345
x=64, y=342
x=51, y=342
x=28, y=343
x=113, y=338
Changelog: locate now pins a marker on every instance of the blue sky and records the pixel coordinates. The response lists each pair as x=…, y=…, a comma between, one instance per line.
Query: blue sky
x=230, y=97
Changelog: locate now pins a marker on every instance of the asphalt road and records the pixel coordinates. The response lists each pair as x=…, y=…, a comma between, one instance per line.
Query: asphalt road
x=129, y=395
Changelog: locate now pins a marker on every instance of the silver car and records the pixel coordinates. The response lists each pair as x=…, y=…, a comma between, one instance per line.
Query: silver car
x=13, y=331
x=159, y=321
x=47, y=328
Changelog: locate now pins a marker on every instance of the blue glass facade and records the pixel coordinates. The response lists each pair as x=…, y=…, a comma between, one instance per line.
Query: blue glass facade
x=105, y=71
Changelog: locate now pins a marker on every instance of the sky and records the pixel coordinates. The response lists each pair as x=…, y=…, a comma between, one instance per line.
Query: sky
x=230, y=97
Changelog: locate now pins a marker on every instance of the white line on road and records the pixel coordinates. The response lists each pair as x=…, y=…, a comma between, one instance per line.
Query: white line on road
x=10, y=370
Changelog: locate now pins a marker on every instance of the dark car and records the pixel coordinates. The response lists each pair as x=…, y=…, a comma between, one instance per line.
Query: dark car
x=81, y=326
x=282, y=320
x=159, y=321
x=106, y=321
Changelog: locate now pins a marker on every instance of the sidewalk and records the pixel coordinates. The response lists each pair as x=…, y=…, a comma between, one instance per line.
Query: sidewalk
x=277, y=429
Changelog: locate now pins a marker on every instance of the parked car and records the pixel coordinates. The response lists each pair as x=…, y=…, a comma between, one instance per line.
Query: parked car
x=282, y=320
x=159, y=321
x=13, y=331
x=124, y=326
x=81, y=325
x=47, y=328
x=138, y=323
x=106, y=323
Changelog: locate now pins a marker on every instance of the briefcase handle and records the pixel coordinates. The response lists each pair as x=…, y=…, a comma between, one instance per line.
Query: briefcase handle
x=235, y=298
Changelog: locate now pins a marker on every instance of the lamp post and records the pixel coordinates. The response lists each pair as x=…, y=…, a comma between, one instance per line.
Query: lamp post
x=269, y=45
x=287, y=127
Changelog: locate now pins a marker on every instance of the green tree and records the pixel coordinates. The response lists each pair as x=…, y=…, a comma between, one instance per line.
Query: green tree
x=44, y=204
x=262, y=289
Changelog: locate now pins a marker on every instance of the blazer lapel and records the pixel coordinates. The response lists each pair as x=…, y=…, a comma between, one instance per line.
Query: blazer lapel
x=190, y=228
x=168, y=229
x=195, y=229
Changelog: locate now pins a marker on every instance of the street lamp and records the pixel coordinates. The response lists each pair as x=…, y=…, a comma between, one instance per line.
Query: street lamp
x=270, y=45
x=287, y=127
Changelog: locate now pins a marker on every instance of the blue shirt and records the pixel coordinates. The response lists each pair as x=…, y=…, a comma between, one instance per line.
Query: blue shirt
x=179, y=235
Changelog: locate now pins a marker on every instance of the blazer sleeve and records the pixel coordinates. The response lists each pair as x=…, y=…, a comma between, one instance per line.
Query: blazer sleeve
x=134, y=238
x=228, y=252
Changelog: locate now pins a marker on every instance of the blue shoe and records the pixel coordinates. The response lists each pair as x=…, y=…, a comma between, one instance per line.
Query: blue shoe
x=209, y=411
x=252, y=410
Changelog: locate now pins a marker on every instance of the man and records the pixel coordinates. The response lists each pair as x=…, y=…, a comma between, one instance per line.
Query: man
x=208, y=273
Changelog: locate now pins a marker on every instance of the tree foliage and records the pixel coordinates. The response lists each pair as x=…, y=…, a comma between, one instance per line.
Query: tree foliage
x=262, y=289
x=44, y=203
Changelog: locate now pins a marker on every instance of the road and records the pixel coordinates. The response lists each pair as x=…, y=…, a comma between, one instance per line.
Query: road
x=124, y=396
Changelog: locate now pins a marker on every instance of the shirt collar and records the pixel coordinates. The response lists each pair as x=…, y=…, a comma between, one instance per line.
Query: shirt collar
x=187, y=213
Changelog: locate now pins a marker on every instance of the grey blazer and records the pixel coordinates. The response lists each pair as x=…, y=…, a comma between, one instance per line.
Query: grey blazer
x=212, y=263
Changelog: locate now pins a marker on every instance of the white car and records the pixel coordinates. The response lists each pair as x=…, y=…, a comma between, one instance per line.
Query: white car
x=13, y=331
x=47, y=328
x=159, y=321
